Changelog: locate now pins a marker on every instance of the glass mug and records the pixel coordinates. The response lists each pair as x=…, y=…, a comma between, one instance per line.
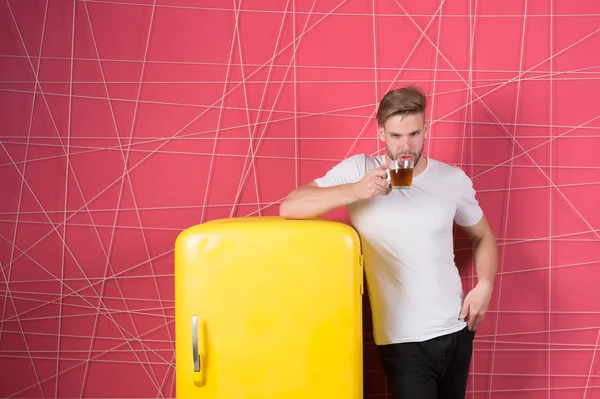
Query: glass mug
x=400, y=173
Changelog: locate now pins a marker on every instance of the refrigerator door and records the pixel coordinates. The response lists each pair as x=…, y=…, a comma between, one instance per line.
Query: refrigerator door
x=268, y=308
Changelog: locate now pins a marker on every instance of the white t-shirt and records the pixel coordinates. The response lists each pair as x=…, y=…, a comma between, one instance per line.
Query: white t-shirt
x=414, y=286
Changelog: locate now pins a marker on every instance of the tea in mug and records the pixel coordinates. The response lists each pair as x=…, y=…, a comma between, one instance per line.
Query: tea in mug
x=401, y=173
x=401, y=178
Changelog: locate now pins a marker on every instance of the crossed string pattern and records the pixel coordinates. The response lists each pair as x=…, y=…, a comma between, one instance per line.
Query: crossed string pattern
x=125, y=122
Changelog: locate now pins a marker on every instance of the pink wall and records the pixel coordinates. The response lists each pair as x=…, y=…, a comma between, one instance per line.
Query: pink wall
x=123, y=124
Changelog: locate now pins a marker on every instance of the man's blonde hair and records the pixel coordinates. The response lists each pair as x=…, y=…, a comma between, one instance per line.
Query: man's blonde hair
x=404, y=101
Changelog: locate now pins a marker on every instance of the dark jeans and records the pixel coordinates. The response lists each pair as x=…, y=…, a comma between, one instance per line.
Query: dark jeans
x=436, y=368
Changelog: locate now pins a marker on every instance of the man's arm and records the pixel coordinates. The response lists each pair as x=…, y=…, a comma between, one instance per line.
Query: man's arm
x=485, y=252
x=310, y=201
x=485, y=257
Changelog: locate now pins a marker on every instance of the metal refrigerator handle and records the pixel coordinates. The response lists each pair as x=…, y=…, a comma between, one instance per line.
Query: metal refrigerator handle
x=195, y=343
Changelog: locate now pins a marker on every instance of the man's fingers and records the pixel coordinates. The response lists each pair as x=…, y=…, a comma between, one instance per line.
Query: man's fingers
x=379, y=172
x=383, y=185
x=381, y=182
x=472, y=320
x=475, y=318
x=477, y=322
x=384, y=191
x=464, y=311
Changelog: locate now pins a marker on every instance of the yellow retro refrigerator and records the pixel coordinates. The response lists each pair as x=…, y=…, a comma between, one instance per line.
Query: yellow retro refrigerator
x=268, y=308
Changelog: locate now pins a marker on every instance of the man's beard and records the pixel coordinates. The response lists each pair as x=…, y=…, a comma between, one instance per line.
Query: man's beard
x=415, y=155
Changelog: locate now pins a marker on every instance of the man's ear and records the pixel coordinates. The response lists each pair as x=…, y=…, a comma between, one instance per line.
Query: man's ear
x=426, y=129
x=381, y=131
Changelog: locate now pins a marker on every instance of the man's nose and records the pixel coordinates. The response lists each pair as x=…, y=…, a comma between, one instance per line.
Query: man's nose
x=404, y=143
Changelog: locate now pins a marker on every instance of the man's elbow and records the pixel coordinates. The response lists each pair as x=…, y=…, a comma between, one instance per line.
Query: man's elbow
x=284, y=210
x=289, y=212
x=287, y=209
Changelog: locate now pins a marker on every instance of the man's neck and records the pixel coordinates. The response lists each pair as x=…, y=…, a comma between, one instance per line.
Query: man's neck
x=420, y=166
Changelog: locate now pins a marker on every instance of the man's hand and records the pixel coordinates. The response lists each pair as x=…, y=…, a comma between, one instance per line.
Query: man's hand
x=373, y=183
x=476, y=304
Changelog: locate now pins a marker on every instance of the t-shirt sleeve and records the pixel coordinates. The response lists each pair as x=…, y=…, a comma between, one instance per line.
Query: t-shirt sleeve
x=468, y=211
x=350, y=170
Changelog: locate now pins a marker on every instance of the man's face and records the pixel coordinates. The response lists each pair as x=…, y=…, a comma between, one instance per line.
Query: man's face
x=404, y=136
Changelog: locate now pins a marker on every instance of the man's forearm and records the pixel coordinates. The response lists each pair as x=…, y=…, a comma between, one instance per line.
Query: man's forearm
x=485, y=257
x=312, y=201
